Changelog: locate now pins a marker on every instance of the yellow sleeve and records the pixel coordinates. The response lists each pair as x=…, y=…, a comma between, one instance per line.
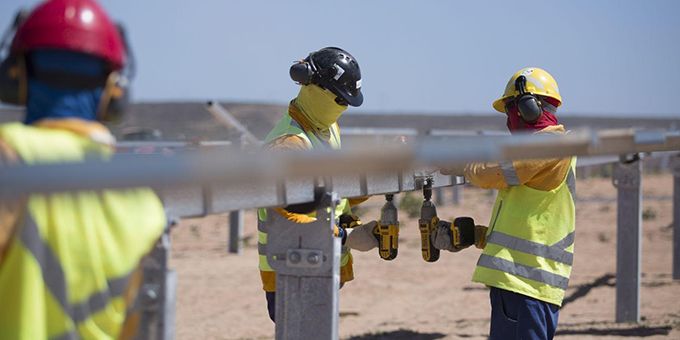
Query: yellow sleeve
x=353, y=202
x=485, y=175
x=293, y=217
x=542, y=174
x=9, y=210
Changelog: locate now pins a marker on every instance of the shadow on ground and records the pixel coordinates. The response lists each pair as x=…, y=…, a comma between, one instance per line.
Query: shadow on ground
x=637, y=331
x=582, y=290
x=400, y=334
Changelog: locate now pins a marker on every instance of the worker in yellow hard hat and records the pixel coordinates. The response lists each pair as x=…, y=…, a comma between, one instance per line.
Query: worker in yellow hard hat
x=69, y=261
x=529, y=247
x=330, y=81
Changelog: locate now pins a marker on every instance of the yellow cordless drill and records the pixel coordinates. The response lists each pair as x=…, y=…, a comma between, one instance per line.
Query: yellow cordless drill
x=462, y=231
x=428, y=223
x=387, y=230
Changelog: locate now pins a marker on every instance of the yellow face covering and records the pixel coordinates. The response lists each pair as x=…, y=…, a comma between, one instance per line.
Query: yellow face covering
x=319, y=106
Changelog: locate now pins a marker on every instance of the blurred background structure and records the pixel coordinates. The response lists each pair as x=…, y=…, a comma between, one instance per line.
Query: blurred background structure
x=429, y=68
x=614, y=58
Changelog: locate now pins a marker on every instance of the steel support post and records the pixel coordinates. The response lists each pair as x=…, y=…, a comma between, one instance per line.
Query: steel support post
x=306, y=258
x=235, y=231
x=456, y=197
x=675, y=166
x=627, y=180
x=439, y=196
x=156, y=298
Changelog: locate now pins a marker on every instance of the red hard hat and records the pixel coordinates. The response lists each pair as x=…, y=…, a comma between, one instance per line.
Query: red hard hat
x=74, y=25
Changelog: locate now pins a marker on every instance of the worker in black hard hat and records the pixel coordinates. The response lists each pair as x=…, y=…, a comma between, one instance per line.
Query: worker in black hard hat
x=330, y=81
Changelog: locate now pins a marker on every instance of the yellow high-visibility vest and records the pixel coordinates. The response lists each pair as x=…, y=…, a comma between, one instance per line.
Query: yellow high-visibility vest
x=70, y=261
x=530, y=241
x=288, y=126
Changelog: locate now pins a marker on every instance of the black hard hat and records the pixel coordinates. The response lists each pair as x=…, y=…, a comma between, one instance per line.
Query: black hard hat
x=333, y=69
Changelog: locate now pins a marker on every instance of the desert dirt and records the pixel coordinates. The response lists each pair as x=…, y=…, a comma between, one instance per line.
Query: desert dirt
x=220, y=296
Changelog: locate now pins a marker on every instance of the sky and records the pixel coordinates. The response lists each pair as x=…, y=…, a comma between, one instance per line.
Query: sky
x=609, y=57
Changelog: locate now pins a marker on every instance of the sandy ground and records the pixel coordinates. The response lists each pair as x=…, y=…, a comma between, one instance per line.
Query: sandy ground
x=220, y=296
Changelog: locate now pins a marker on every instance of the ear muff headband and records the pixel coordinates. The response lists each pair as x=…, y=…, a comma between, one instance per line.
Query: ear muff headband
x=528, y=105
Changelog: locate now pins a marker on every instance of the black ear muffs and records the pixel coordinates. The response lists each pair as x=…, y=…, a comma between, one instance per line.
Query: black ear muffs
x=529, y=106
x=304, y=71
x=301, y=73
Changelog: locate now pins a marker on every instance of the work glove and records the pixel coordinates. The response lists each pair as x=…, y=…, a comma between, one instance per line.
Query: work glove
x=459, y=235
x=295, y=217
x=363, y=237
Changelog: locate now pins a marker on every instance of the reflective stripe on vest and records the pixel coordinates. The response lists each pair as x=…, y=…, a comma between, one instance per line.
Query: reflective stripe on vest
x=528, y=272
x=556, y=252
x=54, y=278
x=509, y=173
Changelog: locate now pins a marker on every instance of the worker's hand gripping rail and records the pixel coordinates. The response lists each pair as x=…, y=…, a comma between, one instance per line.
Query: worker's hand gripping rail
x=388, y=230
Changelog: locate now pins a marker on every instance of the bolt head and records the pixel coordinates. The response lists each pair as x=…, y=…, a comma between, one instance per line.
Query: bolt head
x=151, y=294
x=313, y=258
x=295, y=257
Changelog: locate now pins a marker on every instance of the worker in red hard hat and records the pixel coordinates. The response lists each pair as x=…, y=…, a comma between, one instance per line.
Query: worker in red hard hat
x=69, y=262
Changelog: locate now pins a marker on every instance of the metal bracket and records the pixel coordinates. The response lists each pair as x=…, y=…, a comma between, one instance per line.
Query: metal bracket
x=156, y=297
x=298, y=248
x=304, y=258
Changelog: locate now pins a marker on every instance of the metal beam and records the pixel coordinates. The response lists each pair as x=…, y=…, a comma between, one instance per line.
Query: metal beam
x=240, y=180
x=675, y=166
x=235, y=231
x=225, y=118
x=627, y=181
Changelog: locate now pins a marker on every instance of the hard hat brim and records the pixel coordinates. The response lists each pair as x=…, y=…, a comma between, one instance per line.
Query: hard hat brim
x=355, y=101
x=499, y=104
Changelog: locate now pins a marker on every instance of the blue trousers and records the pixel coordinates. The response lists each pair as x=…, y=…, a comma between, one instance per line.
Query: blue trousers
x=271, y=304
x=516, y=316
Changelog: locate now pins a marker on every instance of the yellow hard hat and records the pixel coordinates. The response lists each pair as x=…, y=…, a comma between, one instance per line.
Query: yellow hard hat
x=538, y=82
